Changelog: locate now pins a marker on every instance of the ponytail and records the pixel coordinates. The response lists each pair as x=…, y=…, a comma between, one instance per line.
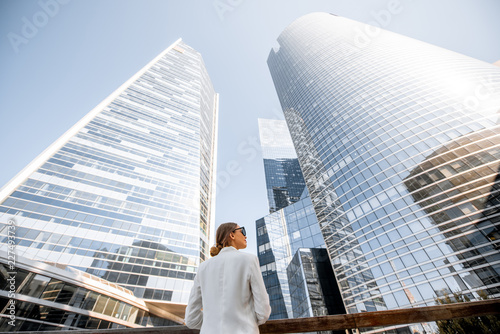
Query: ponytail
x=222, y=237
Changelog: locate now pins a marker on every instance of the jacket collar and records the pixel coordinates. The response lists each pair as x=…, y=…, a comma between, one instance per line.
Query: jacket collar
x=228, y=249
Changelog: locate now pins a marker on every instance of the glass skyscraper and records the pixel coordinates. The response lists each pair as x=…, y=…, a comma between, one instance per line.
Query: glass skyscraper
x=127, y=194
x=284, y=180
x=289, y=226
x=279, y=236
x=398, y=141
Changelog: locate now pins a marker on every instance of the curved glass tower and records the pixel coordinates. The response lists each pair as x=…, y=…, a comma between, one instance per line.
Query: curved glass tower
x=399, y=145
x=127, y=194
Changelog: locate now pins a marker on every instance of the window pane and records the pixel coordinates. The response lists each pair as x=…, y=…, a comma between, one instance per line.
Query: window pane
x=52, y=290
x=35, y=287
x=66, y=294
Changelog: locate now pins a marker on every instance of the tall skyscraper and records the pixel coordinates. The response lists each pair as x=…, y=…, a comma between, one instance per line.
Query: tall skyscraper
x=279, y=236
x=293, y=226
x=398, y=144
x=127, y=194
x=284, y=180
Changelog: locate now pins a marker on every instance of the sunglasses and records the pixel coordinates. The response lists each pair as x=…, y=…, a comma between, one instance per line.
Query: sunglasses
x=243, y=231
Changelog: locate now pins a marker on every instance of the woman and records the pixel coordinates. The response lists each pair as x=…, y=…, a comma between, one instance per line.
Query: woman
x=228, y=295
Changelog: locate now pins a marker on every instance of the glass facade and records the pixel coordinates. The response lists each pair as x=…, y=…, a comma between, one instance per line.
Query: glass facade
x=313, y=288
x=457, y=185
x=127, y=194
x=284, y=179
x=291, y=223
x=285, y=182
x=398, y=144
x=49, y=298
x=279, y=235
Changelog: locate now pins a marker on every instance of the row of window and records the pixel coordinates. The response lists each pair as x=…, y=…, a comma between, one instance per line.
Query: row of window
x=50, y=289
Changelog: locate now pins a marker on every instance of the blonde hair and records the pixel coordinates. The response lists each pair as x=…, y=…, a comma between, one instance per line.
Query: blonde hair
x=222, y=237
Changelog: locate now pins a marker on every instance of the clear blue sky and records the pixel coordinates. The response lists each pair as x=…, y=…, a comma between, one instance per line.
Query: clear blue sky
x=84, y=49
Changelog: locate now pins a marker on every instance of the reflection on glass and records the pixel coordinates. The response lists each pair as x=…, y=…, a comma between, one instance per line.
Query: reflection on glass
x=458, y=187
x=313, y=288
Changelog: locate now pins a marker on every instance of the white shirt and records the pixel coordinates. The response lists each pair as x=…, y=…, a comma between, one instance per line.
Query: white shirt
x=229, y=295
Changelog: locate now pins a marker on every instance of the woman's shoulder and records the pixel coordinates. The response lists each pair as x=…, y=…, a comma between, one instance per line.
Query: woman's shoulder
x=248, y=256
x=204, y=264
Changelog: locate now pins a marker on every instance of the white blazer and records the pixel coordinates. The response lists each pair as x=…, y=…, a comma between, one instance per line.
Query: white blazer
x=229, y=295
